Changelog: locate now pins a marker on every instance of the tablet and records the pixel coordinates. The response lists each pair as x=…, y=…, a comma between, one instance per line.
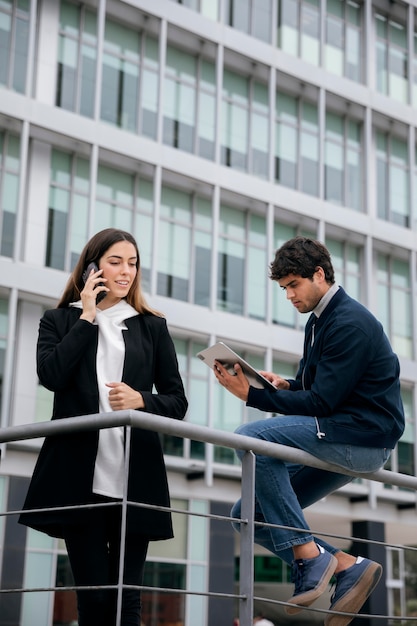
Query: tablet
x=227, y=357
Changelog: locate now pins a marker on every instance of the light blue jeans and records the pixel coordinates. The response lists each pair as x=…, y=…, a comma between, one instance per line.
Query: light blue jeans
x=283, y=490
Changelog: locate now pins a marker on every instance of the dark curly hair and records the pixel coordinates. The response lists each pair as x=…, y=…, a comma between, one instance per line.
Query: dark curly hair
x=302, y=256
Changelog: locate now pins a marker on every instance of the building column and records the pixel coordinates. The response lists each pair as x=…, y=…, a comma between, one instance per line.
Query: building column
x=377, y=602
x=222, y=566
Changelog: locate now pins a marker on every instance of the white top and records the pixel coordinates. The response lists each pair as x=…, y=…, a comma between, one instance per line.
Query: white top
x=109, y=467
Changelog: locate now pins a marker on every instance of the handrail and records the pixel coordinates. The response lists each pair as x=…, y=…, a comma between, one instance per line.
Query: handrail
x=169, y=426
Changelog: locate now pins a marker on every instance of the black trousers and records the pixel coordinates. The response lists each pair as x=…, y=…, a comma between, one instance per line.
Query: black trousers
x=93, y=549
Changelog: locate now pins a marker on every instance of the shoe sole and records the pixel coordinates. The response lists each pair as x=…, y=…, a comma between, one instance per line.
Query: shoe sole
x=305, y=599
x=355, y=598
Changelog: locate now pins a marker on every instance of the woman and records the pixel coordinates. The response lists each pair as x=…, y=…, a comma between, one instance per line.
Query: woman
x=103, y=349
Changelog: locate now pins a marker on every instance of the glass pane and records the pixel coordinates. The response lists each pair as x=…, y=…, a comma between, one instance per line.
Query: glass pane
x=43, y=404
x=156, y=605
x=61, y=168
x=180, y=65
x=334, y=60
x=20, y=54
x=210, y=8
x=309, y=162
x=79, y=225
x=262, y=19
x=173, y=548
x=287, y=107
x=353, y=54
x=10, y=193
x=198, y=529
x=256, y=282
x=115, y=185
x=88, y=80
x=354, y=180
x=381, y=67
x=288, y=29
x=38, y=573
x=174, y=260
x=310, y=33
x=398, y=185
x=69, y=18
x=150, y=88
x=82, y=175
x=5, y=39
x=207, y=125
x=334, y=173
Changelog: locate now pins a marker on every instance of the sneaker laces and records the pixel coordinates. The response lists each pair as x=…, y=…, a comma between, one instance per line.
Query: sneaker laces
x=297, y=576
x=332, y=587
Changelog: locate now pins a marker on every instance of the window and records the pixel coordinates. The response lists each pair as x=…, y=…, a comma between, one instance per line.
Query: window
x=244, y=124
x=402, y=457
x=125, y=201
x=394, y=303
x=347, y=264
x=343, y=161
x=250, y=16
x=242, y=263
x=414, y=66
x=68, y=209
x=393, y=199
x=4, y=324
x=9, y=190
x=44, y=404
x=405, y=447
x=299, y=29
x=198, y=395
x=170, y=564
x=343, y=39
x=231, y=260
x=391, y=58
x=189, y=103
x=297, y=144
x=208, y=8
x=14, y=37
x=77, y=59
x=39, y=572
x=415, y=183
x=2, y=517
x=184, y=250
x=129, y=96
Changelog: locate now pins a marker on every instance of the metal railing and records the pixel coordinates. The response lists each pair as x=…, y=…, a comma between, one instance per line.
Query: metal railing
x=167, y=426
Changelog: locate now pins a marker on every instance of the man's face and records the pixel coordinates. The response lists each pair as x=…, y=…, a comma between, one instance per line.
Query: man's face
x=304, y=293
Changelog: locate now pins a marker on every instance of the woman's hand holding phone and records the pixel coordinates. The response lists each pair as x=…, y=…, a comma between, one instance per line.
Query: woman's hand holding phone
x=94, y=291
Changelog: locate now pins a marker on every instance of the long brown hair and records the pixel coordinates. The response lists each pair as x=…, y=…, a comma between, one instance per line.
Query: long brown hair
x=93, y=251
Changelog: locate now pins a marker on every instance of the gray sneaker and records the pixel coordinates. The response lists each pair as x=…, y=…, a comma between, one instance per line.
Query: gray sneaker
x=311, y=577
x=353, y=586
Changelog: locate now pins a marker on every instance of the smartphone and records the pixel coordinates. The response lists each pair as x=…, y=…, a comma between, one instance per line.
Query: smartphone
x=86, y=274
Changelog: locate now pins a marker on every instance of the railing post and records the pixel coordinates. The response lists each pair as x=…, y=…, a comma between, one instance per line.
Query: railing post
x=127, y=430
x=246, y=539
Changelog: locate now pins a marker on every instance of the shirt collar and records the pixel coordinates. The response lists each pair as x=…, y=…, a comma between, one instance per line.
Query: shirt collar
x=319, y=308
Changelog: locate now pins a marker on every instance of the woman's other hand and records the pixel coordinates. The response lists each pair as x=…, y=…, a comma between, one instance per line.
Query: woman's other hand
x=122, y=397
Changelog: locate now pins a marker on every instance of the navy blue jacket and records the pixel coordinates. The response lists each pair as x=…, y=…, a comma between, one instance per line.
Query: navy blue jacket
x=348, y=378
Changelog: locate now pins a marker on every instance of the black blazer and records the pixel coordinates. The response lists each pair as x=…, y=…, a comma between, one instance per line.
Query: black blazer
x=66, y=364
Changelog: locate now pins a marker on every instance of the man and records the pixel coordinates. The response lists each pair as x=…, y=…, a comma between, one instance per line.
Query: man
x=344, y=407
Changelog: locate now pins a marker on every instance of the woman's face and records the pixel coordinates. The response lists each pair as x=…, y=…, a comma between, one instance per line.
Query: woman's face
x=119, y=268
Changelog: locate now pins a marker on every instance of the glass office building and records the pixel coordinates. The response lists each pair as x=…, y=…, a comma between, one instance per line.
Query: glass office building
x=213, y=130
